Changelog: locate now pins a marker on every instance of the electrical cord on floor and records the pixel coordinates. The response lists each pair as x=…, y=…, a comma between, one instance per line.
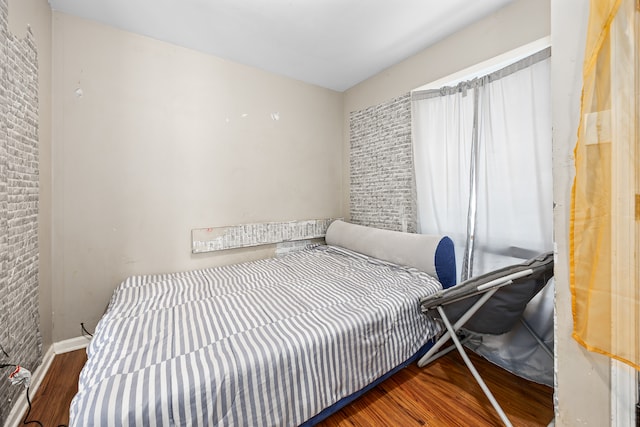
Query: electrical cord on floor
x=24, y=421
x=84, y=330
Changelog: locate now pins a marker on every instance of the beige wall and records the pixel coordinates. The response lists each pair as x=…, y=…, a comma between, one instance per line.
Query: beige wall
x=37, y=15
x=515, y=25
x=162, y=140
x=582, y=378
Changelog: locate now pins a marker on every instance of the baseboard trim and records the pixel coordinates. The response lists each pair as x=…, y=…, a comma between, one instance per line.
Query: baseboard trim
x=20, y=407
x=71, y=344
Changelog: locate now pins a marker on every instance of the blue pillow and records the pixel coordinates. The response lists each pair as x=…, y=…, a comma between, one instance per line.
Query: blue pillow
x=445, y=262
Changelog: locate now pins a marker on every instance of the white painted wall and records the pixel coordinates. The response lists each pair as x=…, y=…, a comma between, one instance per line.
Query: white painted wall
x=582, y=378
x=152, y=140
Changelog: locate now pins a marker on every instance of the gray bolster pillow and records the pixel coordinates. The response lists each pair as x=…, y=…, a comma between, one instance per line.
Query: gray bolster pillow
x=432, y=254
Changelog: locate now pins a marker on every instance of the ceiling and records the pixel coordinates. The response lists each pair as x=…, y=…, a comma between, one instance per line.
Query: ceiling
x=330, y=43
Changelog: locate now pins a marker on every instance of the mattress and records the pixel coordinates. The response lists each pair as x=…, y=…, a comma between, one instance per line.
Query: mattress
x=265, y=343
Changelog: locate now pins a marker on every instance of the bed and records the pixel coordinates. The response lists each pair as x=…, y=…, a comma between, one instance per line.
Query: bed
x=275, y=342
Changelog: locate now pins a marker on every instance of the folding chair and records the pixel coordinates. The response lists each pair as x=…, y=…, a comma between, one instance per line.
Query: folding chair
x=488, y=304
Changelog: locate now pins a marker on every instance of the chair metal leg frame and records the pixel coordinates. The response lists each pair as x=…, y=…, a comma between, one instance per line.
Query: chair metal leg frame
x=536, y=337
x=473, y=370
x=424, y=362
x=430, y=355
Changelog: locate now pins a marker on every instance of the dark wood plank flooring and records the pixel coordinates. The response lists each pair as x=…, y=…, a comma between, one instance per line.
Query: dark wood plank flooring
x=446, y=394
x=442, y=394
x=50, y=404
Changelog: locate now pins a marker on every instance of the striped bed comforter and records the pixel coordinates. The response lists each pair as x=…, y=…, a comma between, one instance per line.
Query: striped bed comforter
x=265, y=343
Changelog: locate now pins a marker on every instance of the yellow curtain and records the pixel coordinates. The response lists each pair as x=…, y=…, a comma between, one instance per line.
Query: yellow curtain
x=603, y=236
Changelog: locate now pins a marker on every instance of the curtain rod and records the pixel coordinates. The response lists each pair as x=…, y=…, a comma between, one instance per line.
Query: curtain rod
x=480, y=81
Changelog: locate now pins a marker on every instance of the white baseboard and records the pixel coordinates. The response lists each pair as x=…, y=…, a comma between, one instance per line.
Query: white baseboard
x=71, y=344
x=20, y=407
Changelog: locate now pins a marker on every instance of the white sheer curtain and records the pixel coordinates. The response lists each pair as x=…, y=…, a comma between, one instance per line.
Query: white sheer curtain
x=442, y=161
x=501, y=209
x=515, y=198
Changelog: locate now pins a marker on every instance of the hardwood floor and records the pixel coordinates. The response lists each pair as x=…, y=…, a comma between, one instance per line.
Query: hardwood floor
x=445, y=394
x=442, y=394
x=50, y=404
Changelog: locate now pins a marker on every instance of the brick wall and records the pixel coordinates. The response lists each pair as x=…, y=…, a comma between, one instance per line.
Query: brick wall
x=19, y=316
x=382, y=182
